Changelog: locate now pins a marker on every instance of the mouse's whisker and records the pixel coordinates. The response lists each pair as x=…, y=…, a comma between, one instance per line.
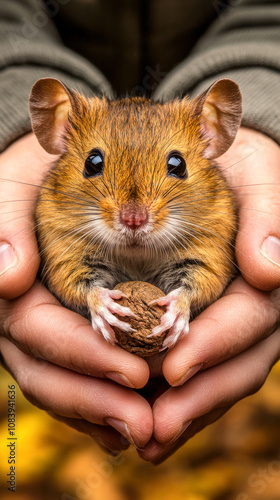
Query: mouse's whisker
x=68, y=204
x=224, y=169
x=158, y=186
x=187, y=212
x=156, y=246
x=109, y=191
x=20, y=200
x=100, y=235
x=82, y=234
x=243, y=232
x=183, y=233
x=83, y=237
x=28, y=210
x=166, y=232
x=156, y=164
x=46, y=188
x=172, y=188
x=188, y=191
x=14, y=219
x=208, y=238
x=260, y=184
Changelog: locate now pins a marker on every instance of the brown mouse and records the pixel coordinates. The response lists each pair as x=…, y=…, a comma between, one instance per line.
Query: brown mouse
x=136, y=195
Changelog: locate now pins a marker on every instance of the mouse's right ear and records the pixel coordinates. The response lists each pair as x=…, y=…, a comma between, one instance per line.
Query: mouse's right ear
x=49, y=103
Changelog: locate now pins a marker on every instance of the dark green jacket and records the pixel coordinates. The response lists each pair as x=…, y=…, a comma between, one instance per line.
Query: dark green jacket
x=134, y=44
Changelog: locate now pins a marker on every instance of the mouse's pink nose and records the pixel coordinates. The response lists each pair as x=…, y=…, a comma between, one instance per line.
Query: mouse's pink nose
x=133, y=216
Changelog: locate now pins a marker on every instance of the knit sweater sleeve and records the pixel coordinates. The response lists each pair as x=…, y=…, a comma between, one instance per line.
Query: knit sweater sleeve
x=30, y=48
x=242, y=44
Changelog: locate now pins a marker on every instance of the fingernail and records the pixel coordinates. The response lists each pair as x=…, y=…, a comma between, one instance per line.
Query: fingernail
x=121, y=427
x=120, y=378
x=271, y=249
x=189, y=373
x=107, y=447
x=181, y=431
x=7, y=256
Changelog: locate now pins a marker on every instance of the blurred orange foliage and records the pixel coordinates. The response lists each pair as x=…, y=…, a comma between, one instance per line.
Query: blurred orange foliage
x=237, y=458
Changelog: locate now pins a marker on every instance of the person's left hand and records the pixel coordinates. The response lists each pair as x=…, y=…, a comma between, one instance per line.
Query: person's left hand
x=231, y=347
x=234, y=343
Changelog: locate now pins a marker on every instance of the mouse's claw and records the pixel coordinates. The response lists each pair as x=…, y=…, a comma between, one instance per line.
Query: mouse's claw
x=175, y=319
x=102, y=306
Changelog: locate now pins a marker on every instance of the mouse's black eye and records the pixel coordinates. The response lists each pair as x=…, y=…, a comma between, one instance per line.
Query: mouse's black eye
x=176, y=166
x=94, y=164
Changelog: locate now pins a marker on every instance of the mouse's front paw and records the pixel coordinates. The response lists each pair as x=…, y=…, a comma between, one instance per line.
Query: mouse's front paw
x=102, y=307
x=176, y=318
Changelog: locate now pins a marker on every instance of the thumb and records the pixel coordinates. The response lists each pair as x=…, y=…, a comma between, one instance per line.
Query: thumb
x=252, y=166
x=22, y=167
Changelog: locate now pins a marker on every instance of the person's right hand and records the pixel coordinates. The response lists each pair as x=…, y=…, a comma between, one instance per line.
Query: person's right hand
x=53, y=353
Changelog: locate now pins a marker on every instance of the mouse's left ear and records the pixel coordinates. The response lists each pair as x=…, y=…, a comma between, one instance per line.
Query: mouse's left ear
x=50, y=103
x=220, y=112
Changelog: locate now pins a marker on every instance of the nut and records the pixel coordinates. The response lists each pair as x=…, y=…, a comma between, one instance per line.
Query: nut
x=139, y=295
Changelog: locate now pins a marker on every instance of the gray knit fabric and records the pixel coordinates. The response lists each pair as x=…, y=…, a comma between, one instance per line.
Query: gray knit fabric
x=243, y=43
x=28, y=53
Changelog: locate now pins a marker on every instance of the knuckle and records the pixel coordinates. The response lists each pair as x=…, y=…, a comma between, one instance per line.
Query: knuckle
x=17, y=327
x=275, y=304
x=9, y=320
x=28, y=378
x=258, y=380
x=259, y=368
x=24, y=381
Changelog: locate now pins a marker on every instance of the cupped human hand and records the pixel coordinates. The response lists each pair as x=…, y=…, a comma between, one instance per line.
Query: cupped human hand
x=227, y=356
x=65, y=368
x=53, y=353
x=234, y=343
x=23, y=165
x=252, y=169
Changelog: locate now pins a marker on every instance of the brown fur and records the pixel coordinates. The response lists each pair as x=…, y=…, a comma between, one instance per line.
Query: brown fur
x=136, y=136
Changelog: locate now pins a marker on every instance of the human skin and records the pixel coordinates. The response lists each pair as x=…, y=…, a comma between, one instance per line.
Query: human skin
x=81, y=379
x=234, y=343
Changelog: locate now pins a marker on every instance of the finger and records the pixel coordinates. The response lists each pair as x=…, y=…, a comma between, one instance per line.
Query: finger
x=76, y=396
x=22, y=167
x=252, y=168
x=41, y=327
x=217, y=387
x=157, y=453
x=240, y=319
x=105, y=436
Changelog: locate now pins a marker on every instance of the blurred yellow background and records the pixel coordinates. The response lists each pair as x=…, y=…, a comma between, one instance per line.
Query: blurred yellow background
x=237, y=458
